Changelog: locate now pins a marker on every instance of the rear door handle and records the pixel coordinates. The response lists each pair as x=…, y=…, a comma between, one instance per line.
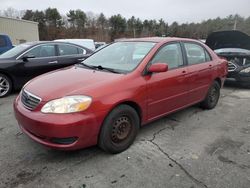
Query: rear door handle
x=52, y=62
x=183, y=71
x=210, y=65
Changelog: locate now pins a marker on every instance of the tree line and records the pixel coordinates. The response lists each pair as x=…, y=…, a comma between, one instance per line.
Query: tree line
x=79, y=24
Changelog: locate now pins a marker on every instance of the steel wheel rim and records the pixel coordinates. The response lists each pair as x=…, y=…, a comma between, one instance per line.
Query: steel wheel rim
x=4, y=86
x=121, y=129
x=213, y=97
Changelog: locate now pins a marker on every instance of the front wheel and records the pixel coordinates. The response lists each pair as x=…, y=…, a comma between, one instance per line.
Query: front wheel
x=5, y=85
x=212, y=97
x=119, y=129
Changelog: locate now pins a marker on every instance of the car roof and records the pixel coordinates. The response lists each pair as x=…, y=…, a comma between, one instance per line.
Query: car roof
x=54, y=42
x=155, y=39
x=89, y=40
x=46, y=42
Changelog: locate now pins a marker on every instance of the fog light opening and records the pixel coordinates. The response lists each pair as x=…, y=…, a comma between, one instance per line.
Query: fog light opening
x=64, y=141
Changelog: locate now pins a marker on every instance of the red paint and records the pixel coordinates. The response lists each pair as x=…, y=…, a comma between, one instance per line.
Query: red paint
x=156, y=95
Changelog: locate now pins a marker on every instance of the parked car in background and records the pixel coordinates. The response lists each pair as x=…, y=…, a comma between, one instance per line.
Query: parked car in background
x=99, y=44
x=87, y=43
x=105, y=99
x=5, y=43
x=235, y=47
x=28, y=60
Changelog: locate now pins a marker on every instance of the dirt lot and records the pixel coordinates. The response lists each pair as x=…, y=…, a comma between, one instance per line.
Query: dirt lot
x=191, y=148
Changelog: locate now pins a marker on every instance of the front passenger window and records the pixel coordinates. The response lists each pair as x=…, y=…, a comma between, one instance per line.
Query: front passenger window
x=42, y=51
x=170, y=54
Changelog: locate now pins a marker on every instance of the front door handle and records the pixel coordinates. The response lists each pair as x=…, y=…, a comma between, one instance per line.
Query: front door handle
x=53, y=62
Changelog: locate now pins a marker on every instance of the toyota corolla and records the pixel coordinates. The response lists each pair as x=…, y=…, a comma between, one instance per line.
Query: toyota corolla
x=106, y=99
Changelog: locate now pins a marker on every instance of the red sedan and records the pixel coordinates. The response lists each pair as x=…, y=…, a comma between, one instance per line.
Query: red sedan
x=105, y=99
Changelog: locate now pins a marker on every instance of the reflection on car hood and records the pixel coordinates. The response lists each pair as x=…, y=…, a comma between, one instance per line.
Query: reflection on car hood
x=70, y=81
x=228, y=39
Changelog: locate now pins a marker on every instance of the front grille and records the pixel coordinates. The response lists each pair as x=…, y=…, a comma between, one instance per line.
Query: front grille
x=231, y=66
x=29, y=100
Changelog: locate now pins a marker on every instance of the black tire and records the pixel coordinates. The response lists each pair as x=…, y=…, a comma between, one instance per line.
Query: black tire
x=212, y=97
x=119, y=129
x=5, y=85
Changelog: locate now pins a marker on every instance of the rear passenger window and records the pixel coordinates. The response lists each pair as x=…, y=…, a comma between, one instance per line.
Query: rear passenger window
x=2, y=42
x=170, y=54
x=67, y=50
x=196, y=54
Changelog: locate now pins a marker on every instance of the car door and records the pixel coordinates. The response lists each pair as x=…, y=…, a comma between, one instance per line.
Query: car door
x=200, y=68
x=70, y=54
x=167, y=91
x=38, y=60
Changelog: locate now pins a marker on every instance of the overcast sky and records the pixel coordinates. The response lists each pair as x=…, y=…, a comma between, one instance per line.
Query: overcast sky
x=170, y=10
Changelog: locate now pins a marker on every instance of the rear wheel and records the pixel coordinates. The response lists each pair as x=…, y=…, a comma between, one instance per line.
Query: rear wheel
x=212, y=97
x=119, y=129
x=5, y=85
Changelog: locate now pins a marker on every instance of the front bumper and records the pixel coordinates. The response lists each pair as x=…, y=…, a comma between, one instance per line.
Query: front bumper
x=241, y=78
x=59, y=131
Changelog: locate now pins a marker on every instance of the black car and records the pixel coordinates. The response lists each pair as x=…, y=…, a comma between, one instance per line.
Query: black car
x=28, y=60
x=235, y=47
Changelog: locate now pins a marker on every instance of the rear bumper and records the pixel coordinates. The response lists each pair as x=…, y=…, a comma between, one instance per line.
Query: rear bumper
x=59, y=131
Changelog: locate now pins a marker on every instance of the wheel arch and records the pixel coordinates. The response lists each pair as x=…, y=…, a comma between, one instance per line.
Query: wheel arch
x=134, y=105
x=218, y=80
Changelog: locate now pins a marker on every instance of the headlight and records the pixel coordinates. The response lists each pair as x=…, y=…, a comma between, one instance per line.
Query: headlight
x=247, y=70
x=67, y=104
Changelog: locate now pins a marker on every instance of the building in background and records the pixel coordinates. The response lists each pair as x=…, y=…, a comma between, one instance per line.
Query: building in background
x=18, y=30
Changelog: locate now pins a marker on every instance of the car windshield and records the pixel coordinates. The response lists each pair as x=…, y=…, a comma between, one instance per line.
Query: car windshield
x=15, y=51
x=120, y=56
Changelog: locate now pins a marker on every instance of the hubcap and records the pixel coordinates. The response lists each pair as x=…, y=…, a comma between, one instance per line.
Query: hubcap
x=4, y=86
x=121, y=129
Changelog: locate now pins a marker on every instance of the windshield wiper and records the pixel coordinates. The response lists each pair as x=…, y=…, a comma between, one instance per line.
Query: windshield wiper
x=99, y=67
x=85, y=65
x=106, y=68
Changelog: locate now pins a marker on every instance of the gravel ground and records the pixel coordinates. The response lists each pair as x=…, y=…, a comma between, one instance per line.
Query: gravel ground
x=191, y=148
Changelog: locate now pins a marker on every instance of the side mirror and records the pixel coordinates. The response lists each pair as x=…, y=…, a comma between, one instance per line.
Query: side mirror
x=26, y=57
x=158, y=67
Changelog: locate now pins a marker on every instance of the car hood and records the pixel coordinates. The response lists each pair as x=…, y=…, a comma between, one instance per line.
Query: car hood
x=228, y=39
x=70, y=81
